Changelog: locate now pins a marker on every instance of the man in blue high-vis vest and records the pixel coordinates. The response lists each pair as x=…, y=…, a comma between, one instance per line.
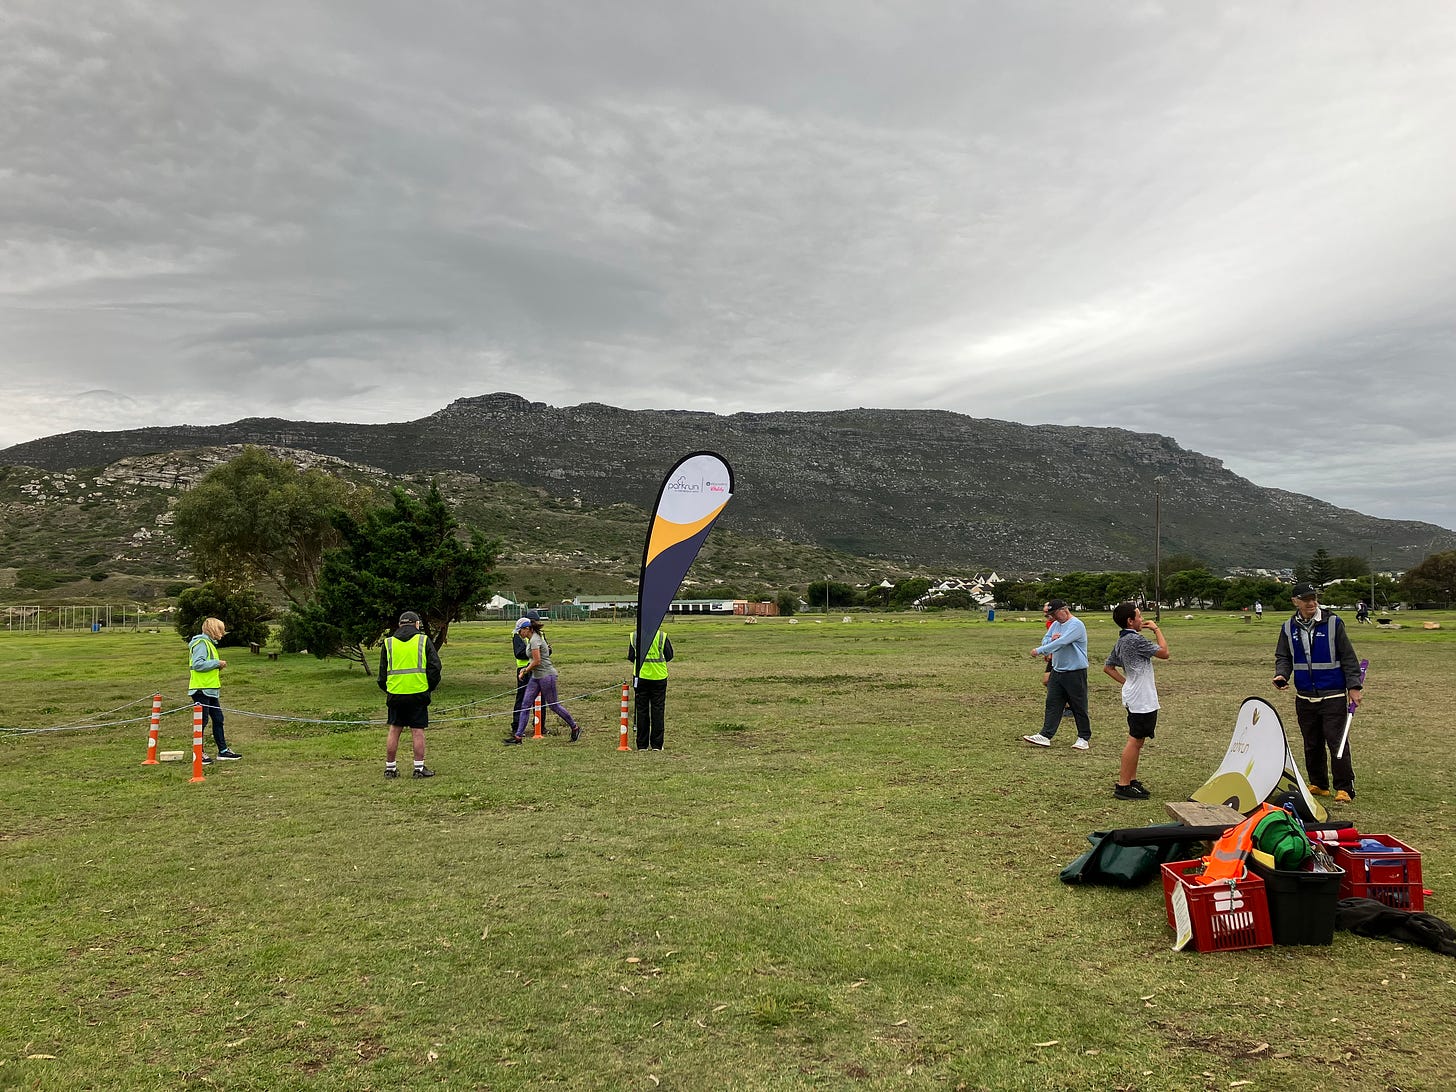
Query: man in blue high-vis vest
x=1314, y=652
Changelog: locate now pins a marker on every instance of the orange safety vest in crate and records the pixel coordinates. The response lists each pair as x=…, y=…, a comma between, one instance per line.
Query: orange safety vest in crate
x=1226, y=861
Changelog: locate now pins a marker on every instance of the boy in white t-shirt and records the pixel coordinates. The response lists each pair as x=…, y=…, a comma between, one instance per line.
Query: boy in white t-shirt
x=1134, y=654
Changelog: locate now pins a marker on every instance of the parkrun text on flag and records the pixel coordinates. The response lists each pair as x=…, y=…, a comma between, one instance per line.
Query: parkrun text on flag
x=693, y=495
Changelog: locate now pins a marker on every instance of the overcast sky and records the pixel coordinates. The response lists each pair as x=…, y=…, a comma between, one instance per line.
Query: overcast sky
x=1231, y=223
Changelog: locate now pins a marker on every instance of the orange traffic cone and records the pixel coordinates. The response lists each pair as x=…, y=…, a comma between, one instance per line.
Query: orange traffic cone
x=622, y=745
x=197, y=745
x=151, y=759
x=536, y=716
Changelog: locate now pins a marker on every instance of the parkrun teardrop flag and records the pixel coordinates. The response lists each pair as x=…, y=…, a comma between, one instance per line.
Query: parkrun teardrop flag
x=693, y=496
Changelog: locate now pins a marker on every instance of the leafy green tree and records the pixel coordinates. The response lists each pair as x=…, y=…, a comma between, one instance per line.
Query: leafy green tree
x=1087, y=590
x=1245, y=591
x=909, y=590
x=878, y=596
x=788, y=604
x=1432, y=581
x=1176, y=563
x=245, y=615
x=402, y=556
x=1194, y=587
x=1021, y=594
x=1349, y=567
x=260, y=516
x=955, y=599
x=1125, y=588
x=1346, y=593
x=840, y=594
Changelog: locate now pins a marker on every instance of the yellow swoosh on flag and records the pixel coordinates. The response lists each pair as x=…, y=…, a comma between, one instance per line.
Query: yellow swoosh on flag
x=666, y=534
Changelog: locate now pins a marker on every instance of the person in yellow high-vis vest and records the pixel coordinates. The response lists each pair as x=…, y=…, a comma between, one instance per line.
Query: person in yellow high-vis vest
x=409, y=670
x=651, y=690
x=204, y=683
x=520, y=646
x=542, y=676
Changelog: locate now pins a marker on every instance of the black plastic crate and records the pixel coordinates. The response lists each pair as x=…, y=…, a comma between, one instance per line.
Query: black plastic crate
x=1301, y=904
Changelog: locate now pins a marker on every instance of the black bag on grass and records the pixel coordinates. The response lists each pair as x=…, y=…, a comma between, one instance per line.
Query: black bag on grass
x=1112, y=863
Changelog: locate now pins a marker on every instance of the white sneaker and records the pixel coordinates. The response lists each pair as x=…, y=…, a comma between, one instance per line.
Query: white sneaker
x=1039, y=739
x=1081, y=745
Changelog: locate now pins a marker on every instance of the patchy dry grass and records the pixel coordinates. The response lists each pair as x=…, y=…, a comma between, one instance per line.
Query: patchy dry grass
x=841, y=873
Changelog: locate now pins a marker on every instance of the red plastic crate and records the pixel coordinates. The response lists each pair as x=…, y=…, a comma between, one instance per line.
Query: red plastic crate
x=1391, y=878
x=1225, y=917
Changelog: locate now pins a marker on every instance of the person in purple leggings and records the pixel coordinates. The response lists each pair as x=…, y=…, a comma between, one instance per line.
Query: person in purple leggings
x=542, y=684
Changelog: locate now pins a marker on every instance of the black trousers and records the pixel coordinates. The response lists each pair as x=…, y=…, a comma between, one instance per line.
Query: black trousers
x=1066, y=688
x=1321, y=724
x=651, y=711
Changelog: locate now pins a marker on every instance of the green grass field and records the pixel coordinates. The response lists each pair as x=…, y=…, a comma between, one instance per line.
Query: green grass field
x=842, y=873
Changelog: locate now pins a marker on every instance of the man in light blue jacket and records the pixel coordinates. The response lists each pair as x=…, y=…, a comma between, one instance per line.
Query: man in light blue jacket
x=1066, y=642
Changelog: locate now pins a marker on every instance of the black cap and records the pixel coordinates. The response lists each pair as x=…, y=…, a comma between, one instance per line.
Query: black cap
x=1305, y=591
x=1055, y=605
x=534, y=616
x=407, y=617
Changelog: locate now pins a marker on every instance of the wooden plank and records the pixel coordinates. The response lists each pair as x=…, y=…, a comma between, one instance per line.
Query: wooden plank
x=1192, y=813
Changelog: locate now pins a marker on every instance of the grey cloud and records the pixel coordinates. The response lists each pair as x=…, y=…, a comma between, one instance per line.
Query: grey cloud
x=1154, y=216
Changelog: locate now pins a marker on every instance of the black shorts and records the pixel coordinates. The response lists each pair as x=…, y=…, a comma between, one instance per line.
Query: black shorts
x=1141, y=725
x=409, y=710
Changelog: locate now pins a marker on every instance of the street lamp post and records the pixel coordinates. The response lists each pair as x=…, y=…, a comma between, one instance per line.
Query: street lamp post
x=1158, y=548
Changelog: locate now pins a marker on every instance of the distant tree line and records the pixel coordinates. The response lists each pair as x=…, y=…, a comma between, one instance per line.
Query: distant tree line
x=1185, y=582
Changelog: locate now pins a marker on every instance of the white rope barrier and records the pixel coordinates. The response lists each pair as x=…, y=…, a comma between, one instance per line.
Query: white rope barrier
x=90, y=723
x=83, y=726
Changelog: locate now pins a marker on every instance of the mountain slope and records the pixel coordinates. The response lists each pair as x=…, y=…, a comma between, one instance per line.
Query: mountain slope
x=917, y=487
x=105, y=536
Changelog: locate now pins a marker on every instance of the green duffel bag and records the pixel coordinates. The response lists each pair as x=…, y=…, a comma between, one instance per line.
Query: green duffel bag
x=1283, y=839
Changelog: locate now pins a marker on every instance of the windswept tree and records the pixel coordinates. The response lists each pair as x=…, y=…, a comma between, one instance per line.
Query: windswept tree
x=245, y=615
x=1174, y=563
x=1195, y=587
x=1349, y=567
x=904, y=595
x=1432, y=581
x=408, y=555
x=261, y=516
x=839, y=594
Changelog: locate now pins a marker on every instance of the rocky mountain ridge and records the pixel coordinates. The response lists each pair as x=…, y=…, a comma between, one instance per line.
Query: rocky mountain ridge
x=916, y=487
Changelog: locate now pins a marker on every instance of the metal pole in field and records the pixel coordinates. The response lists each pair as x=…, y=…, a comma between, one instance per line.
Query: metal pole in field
x=1158, y=549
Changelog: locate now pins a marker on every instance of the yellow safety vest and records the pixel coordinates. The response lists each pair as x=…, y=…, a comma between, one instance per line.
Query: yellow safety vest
x=405, y=665
x=204, y=680
x=654, y=664
x=520, y=663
